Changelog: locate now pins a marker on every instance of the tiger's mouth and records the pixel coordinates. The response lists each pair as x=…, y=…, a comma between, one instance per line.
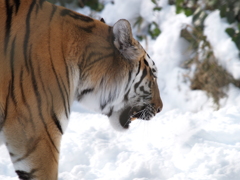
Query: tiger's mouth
x=130, y=114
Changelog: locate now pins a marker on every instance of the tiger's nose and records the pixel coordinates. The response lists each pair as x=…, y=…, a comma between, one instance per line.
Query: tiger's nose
x=159, y=106
x=159, y=110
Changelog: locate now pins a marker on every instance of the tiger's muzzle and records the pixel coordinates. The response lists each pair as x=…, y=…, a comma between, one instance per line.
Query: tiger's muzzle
x=137, y=112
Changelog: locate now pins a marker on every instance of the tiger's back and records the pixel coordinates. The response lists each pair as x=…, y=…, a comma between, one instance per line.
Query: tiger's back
x=51, y=56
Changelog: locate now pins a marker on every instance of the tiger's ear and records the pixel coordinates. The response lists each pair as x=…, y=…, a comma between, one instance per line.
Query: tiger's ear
x=124, y=41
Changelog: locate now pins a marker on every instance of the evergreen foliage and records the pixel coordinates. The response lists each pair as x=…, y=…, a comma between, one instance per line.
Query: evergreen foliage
x=229, y=9
x=209, y=75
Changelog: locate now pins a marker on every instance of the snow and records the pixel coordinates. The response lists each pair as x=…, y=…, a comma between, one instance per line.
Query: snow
x=187, y=141
x=113, y=12
x=173, y=146
x=222, y=43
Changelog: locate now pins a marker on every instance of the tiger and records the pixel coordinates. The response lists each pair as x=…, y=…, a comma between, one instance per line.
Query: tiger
x=52, y=56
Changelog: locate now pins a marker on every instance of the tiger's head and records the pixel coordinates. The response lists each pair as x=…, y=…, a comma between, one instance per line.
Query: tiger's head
x=126, y=82
x=141, y=96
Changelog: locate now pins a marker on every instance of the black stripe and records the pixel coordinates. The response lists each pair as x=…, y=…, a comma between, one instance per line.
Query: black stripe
x=87, y=29
x=101, y=82
x=93, y=63
x=52, y=103
x=12, y=73
x=24, y=97
x=129, y=79
x=103, y=104
x=39, y=99
x=57, y=122
x=150, y=84
x=142, y=77
x=6, y=105
x=143, y=90
x=146, y=97
x=126, y=95
x=34, y=82
x=17, y=4
x=153, y=73
x=60, y=88
x=82, y=63
x=84, y=92
x=92, y=55
x=54, y=8
x=89, y=58
x=2, y=119
x=64, y=100
x=41, y=81
x=111, y=96
x=67, y=12
x=8, y=24
x=139, y=65
x=66, y=69
x=145, y=61
x=26, y=38
x=23, y=175
x=51, y=95
x=67, y=95
x=110, y=112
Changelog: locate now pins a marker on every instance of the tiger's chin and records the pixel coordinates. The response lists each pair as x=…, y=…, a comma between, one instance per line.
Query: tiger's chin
x=122, y=119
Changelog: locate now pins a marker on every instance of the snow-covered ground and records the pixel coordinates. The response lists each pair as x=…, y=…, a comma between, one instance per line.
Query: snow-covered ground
x=187, y=141
x=175, y=145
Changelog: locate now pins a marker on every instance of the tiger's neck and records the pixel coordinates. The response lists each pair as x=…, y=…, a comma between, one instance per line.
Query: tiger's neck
x=97, y=63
